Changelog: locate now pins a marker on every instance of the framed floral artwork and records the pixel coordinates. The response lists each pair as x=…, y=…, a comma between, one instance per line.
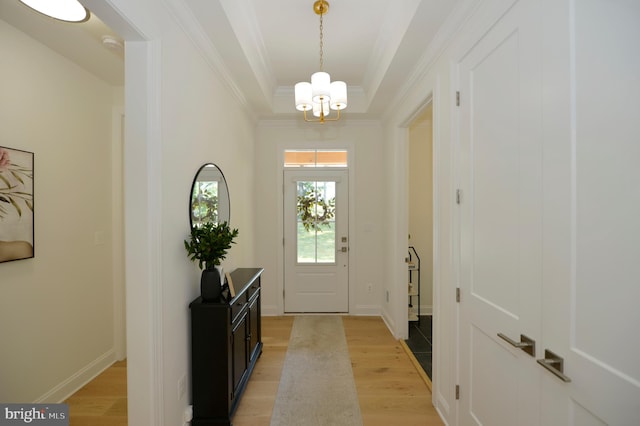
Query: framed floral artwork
x=16, y=204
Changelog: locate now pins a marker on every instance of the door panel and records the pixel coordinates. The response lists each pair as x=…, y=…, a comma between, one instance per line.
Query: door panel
x=492, y=367
x=316, y=241
x=603, y=352
x=501, y=221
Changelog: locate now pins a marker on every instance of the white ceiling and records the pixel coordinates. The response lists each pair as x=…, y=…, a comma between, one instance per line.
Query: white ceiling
x=80, y=43
x=375, y=46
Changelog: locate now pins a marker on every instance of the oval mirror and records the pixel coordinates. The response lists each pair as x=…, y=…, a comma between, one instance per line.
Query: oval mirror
x=209, y=201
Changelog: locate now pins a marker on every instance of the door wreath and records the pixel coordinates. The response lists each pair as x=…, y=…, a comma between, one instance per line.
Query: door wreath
x=314, y=211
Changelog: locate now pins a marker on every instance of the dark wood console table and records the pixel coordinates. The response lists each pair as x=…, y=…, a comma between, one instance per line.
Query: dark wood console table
x=226, y=342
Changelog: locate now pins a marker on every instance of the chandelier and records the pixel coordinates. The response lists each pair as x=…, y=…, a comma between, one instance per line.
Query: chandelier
x=321, y=95
x=63, y=10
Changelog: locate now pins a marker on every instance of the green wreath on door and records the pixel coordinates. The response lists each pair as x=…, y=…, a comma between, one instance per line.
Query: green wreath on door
x=314, y=211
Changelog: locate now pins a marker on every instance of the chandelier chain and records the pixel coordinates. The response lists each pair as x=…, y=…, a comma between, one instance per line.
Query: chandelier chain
x=321, y=41
x=321, y=95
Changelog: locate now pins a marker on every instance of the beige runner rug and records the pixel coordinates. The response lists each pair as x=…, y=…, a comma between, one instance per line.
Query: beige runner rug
x=317, y=387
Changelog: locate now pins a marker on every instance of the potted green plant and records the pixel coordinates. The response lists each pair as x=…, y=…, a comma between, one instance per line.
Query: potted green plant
x=208, y=246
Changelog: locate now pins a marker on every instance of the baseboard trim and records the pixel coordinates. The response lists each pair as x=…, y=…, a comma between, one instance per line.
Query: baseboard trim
x=426, y=309
x=390, y=324
x=367, y=310
x=72, y=384
x=270, y=310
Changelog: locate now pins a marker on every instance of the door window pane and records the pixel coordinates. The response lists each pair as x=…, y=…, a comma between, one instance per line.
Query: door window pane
x=316, y=235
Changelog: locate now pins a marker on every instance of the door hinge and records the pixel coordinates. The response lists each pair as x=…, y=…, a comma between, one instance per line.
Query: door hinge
x=458, y=98
x=457, y=391
x=458, y=196
x=458, y=294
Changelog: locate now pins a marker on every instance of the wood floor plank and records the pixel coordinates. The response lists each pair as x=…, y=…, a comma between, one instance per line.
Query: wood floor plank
x=103, y=401
x=256, y=405
x=390, y=391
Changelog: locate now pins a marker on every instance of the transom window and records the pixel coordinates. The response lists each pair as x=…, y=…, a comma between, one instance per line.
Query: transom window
x=315, y=158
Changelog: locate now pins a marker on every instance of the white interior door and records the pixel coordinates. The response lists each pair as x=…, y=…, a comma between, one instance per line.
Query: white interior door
x=594, y=321
x=316, y=241
x=501, y=221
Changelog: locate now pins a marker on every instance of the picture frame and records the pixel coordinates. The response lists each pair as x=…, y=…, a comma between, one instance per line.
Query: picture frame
x=16, y=204
x=232, y=290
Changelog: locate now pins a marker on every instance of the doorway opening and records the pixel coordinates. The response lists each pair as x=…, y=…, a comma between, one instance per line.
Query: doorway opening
x=420, y=250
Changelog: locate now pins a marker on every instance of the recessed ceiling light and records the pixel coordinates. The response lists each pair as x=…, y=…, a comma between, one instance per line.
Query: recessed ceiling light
x=64, y=10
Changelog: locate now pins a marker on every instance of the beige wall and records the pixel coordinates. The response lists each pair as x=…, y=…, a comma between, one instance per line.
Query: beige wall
x=421, y=203
x=56, y=310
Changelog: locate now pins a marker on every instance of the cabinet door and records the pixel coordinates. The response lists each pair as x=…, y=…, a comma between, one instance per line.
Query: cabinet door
x=254, y=325
x=239, y=350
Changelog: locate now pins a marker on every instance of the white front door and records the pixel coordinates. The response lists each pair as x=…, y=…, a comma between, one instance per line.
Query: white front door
x=316, y=241
x=501, y=221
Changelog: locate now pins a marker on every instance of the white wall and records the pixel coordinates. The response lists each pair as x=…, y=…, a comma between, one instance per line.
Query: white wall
x=201, y=123
x=435, y=85
x=180, y=114
x=56, y=310
x=368, y=205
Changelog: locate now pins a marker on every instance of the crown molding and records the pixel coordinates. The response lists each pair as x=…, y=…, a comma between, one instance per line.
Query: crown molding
x=185, y=19
x=449, y=29
x=244, y=21
x=387, y=44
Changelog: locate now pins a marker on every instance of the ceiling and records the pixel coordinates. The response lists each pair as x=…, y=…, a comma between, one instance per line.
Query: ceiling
x=80, y=43
x=264, y=48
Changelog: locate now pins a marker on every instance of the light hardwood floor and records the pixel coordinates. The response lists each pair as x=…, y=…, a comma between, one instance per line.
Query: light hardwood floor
x=103, y=401
x=390, y=390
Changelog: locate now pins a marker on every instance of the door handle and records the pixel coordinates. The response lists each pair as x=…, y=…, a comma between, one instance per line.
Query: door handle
x=554, y=364
x=526, y=344
x=343, y=249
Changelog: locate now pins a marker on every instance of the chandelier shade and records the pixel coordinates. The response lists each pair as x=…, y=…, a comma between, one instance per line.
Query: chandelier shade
x=304, y=94
x=63, y=10
x=321, y=95
x=338, y=95
x=321, y=109
x=320, y=86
